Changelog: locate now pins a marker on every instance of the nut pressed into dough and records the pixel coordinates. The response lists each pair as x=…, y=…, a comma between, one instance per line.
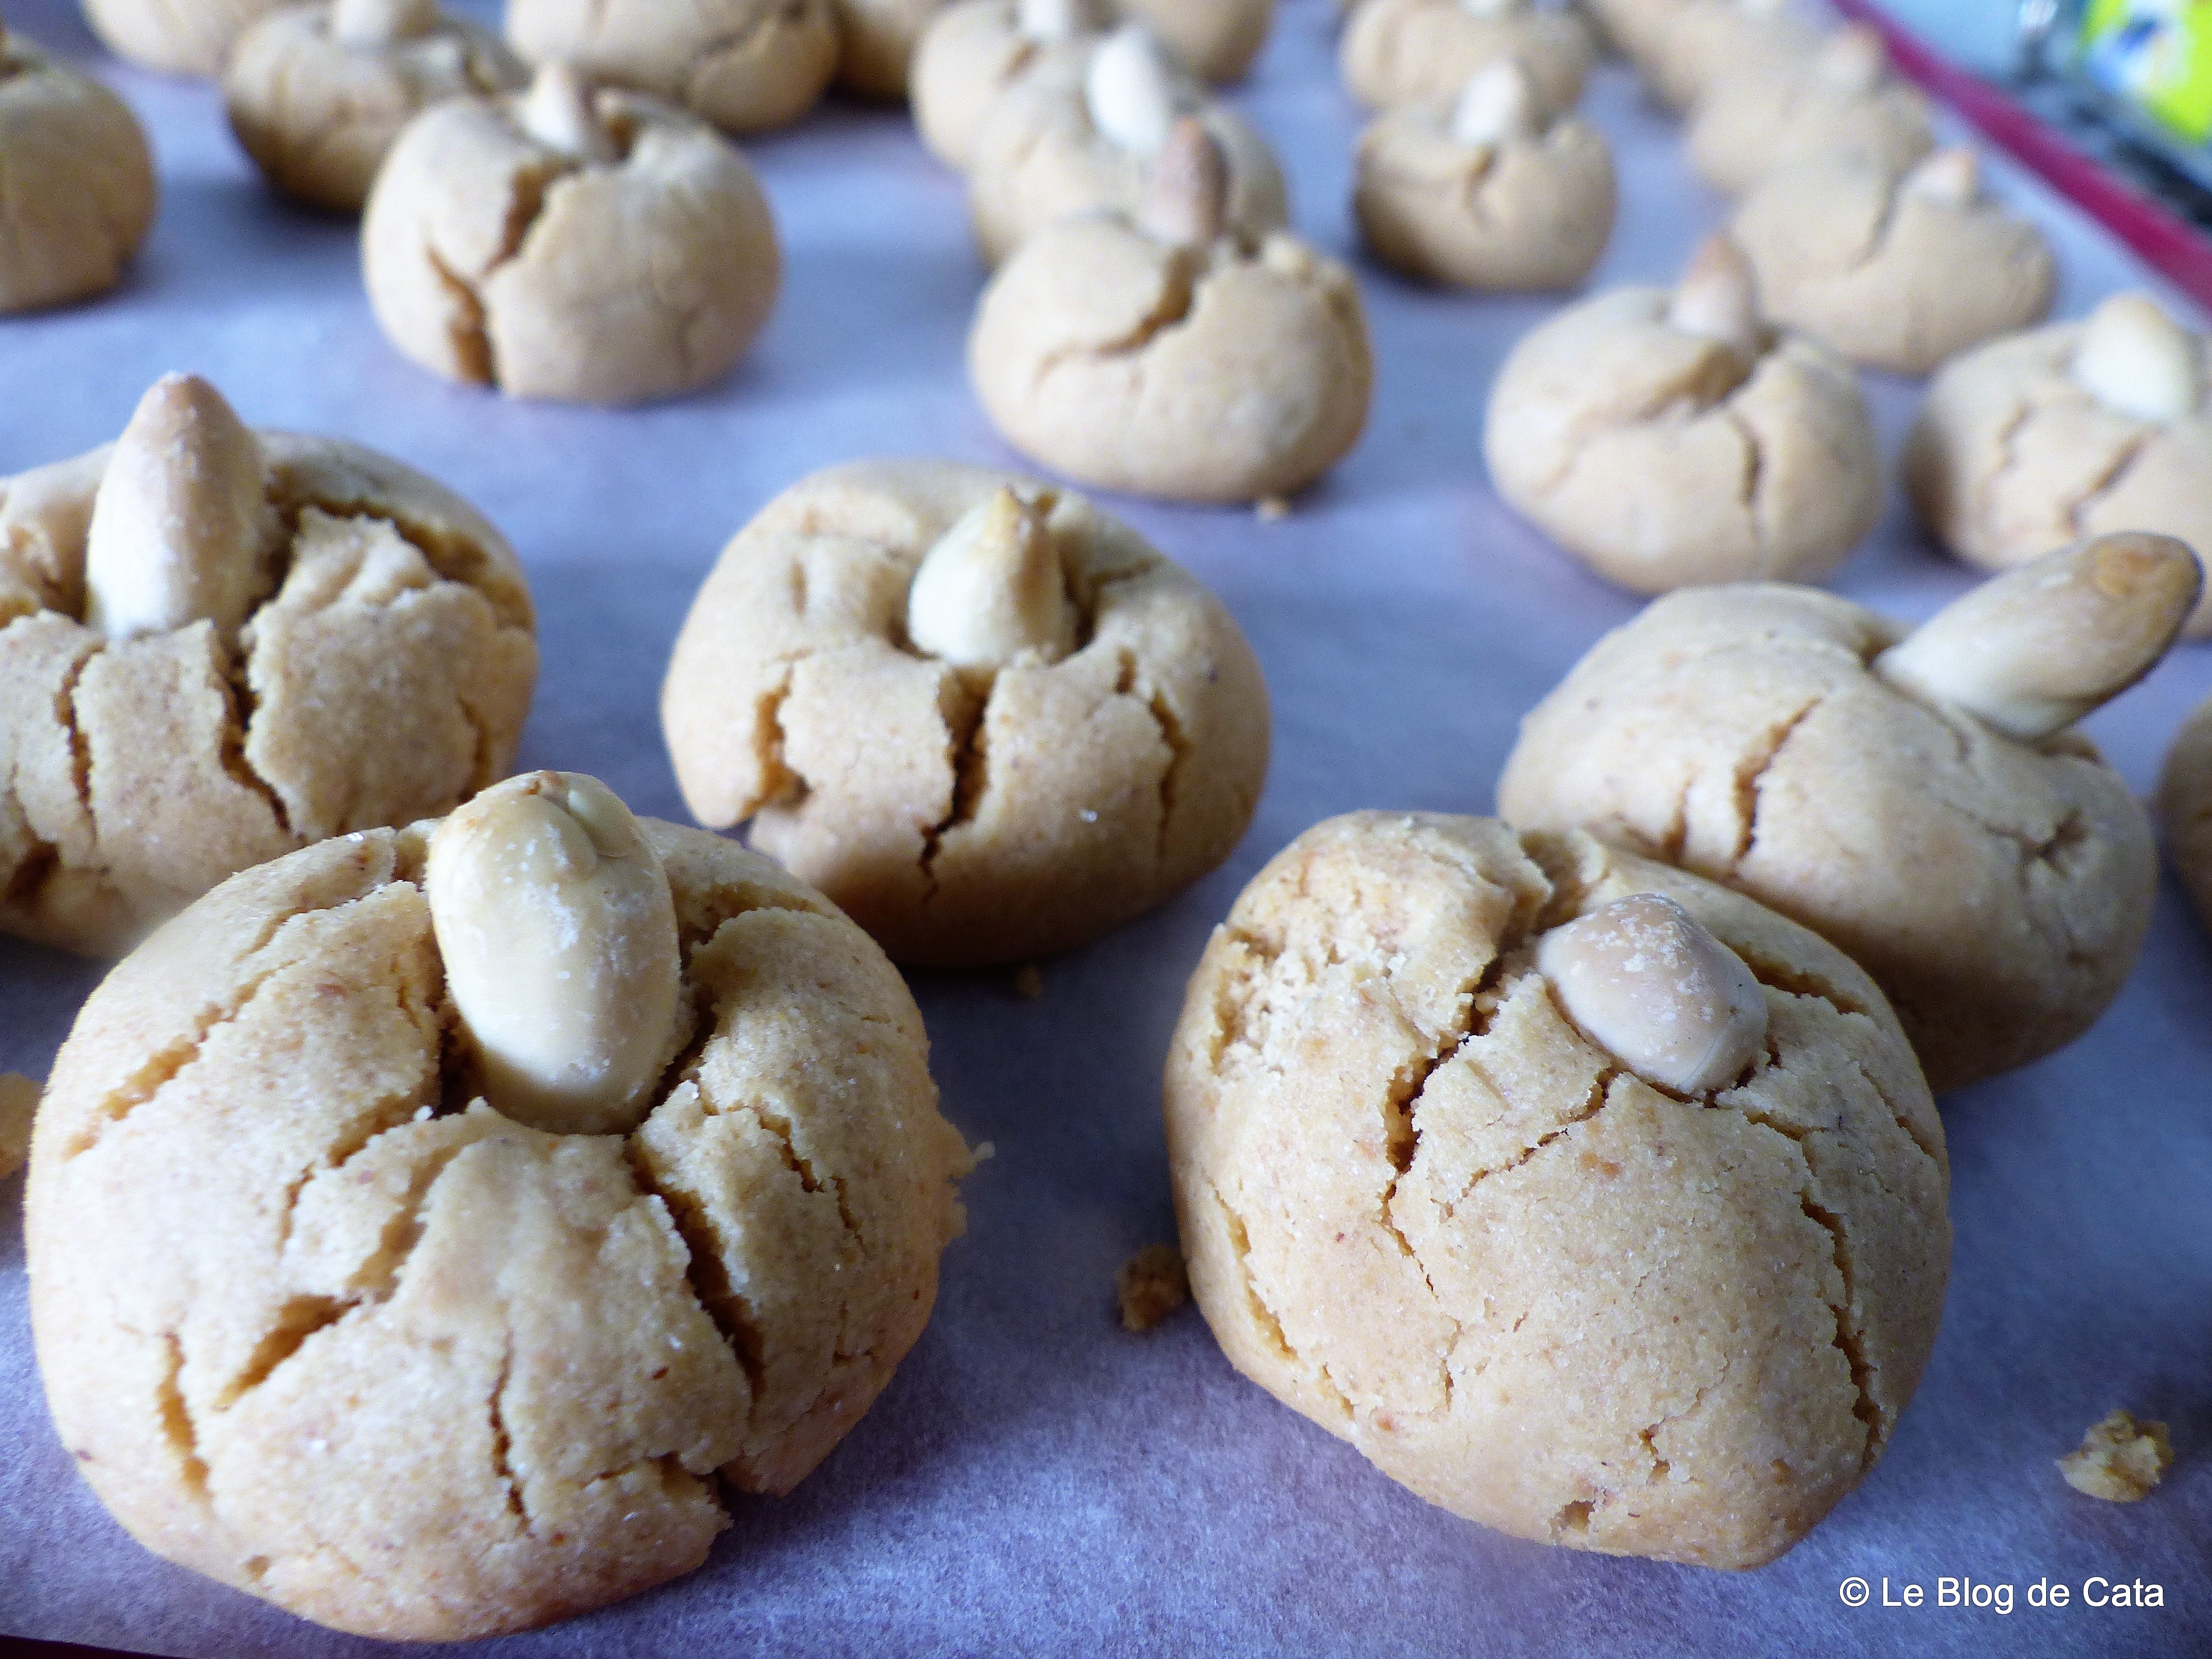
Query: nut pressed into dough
x=1839, y=101
x=1897, y=270
x=2080, y=428
x=2184, y=806
x=1482, y=191
x=218, y=646
x=316, y=1321
x=177, y=37
x=2120, y=1459
x=590, y=245
x=979, y=50
x=744, y=65
x=80, y=181
x=1423, y=1207
x=318, y=94
x=1088, y=735
x=1401, y=51
x=1669, y=438
x=1997, y=886
x=878, y=38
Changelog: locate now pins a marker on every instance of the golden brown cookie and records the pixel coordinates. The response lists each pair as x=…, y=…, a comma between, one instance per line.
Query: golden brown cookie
x=1839, y=101
x=1588, y=1200
x=1401, y=51
x=990, y=721
x=743, y=65
x=323, y=1312
x=1920, y=799
x=176, y=38
x=218, y=645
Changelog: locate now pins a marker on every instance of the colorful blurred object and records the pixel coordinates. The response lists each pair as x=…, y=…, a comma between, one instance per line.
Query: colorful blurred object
x=2154, y=54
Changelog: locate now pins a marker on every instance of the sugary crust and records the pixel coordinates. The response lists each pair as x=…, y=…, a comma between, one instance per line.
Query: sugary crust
x=176, y=38
x=416, y=1371
x=878, y=38
x=492, y=259
x=1216, y=39
x=77, y=182
x=2011, y=456
x=1531, y=213
x=1745, y=129
x=745, y=65
x=1400, y=52
x=1420, y=1208
x=1214, y=375
x=386, y=676
x=1651, y=454
x=2184, y=806
x=1998, y=893
x=967, y=58
x=318, y=116
x=960, y=824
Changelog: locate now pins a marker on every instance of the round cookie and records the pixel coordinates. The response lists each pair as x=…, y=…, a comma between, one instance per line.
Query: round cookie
x=2184, y=806
x=592, y=246
x=1704, y=44
x=878, y=39
x=743, y=65
x=1092, y=137
x=1452, y=1184
x=1669, y=439
x=2081, y=428
x=329, y=1309
x=1895, y=271
x=1838, y=100
x=1484, y=192
x=80, y=190
x=1403, y=51
x=975, y=50
x=1634, y=28
x=218, y=645
x=987, y=720
x=173, y=38
x=1217, y=39
x=319, y=94
x=1919, y=800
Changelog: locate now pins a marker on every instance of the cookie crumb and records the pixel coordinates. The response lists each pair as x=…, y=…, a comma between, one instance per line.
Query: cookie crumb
x=1272, y=509
x=1029, y=981
x=19, y=1103
x=2120, y=1459
x=1151, y=1284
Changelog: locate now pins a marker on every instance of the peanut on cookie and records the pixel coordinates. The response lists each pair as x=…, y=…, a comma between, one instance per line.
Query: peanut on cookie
x=423, y=1223
x=1917, y=797
x=978, y=50
x=2081, y=428
x=1166, y=354
x=1483, y=192
x=583, y=244
x=1590, y=1201
x=989, y=721
x=1402, y=51
x=80, y=181
x=1670, y=438
x=176, y=38
x=318, y=94
x=1839, y=101
x=743, y=65
x=219, y=644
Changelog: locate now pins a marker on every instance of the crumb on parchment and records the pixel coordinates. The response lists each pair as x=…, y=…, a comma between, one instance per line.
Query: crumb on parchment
x=1029, y=981
x=1272, y=509
x=2120, y=1459
x=1151, y=1284
x=19, y=1103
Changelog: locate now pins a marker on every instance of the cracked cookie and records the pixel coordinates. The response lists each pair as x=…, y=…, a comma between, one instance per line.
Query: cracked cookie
x=593, y=245
x=80, y=181
x=546, y=1167
x=1167, y=356
x=1691, y=47
x=1485, y=192
x=1403, y=51
x=319, y=94
x=979, y=50
x=1897, y=271
x=1839, y=101
x=878, y=41
x=1919, y=798
x=1590, y=1201
x=218, y=645
x=176, y=38
x=1668, y=439
x=744, y=65
x=2184, y=806
x=1092, y=138
x=1217, y=39
x=989, y=721
x=2077, y=429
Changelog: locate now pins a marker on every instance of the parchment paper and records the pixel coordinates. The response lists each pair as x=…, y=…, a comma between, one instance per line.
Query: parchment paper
x=1036, y=1480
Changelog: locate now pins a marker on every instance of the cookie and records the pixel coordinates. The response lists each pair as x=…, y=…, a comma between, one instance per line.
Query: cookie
x=1089, y=138
x=1920, y=800
x=1841, y=100
x=218, y=645
x=588, y=245
x=2081, y=428
x=1896, y=271
x=1590, y=1201
x=989, y=721
x=176, y=38
x=742, y=65
x=1218, y=39
x=2184, y=806
x=318, y=94
x=1403, y=51
x=878, y=38
x=1483, y=192
x=1165, y=355
x=1668, y=439
x=81, y=188
x=977, y=50
x=326, y=1311
x=1685, y=50
x=19, y=1107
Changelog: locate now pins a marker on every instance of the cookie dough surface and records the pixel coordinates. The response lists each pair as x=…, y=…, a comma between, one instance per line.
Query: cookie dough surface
x=1423, y=1209
x=79, y=193
x=1838, y=101
x=1398, y=52
x=348, y=1342
x=744, y=65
